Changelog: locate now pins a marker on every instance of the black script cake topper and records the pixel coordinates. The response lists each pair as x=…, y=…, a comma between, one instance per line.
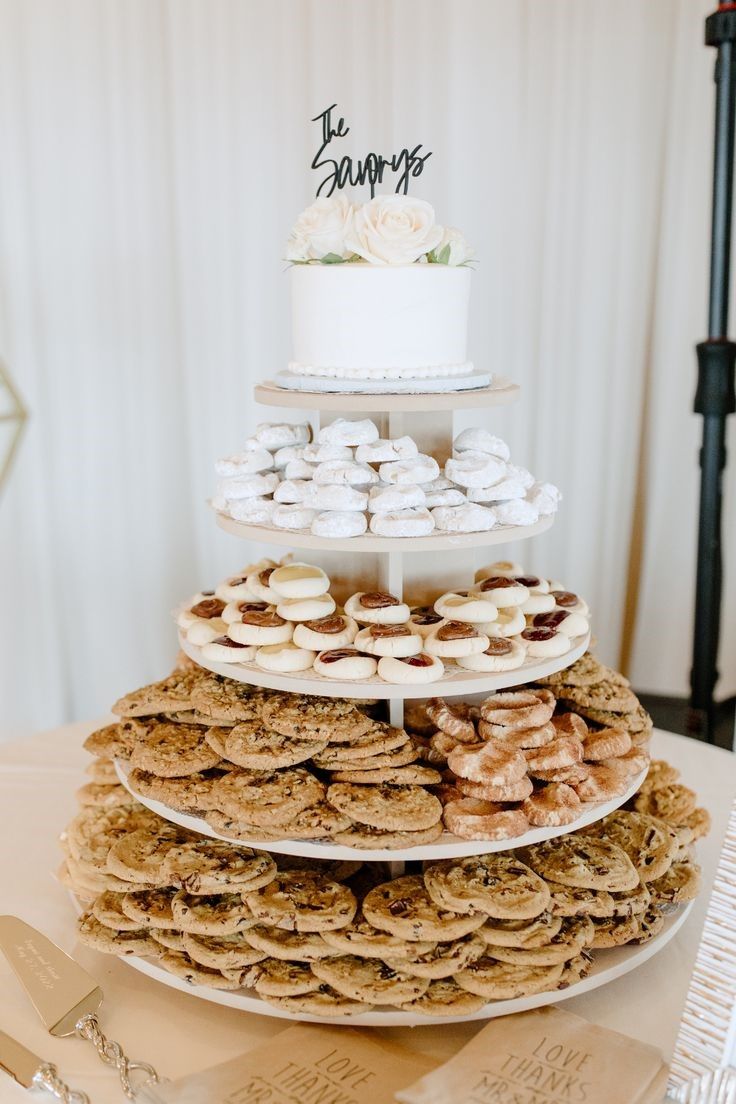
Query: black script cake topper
x=347, y=172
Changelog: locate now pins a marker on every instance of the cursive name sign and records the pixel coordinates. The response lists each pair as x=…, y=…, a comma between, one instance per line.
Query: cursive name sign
x=346, y=172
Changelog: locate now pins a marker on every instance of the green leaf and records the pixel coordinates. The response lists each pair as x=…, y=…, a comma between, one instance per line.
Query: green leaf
x=331, y=258
x=443, y=257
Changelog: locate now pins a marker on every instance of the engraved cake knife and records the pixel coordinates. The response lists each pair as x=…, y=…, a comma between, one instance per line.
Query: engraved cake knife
x=31, y=1072
x=67, y=998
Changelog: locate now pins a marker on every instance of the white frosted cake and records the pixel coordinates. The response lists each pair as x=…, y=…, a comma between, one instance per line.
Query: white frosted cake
x=379, y=299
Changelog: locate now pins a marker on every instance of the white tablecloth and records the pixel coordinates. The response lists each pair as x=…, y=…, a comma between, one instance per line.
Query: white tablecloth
x=179, y=1033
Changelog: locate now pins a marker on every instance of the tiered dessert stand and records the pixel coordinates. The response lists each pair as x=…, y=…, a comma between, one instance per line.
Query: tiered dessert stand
x=398, y=566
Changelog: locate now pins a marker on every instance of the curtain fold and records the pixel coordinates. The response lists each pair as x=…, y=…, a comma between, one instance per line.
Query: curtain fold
x=155, y=154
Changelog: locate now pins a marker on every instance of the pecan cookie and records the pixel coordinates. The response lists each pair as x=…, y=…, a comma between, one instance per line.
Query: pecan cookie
x=226, y=699
x=103, y=796
x=307, y=718
x=250, y=744
x=673, y=803
x=173, y=750
x=268, y=799
x=362, y=836
x=116, y=741
x=604, y=695
x=102, y=771
x=191, y=794
x=169, y=695
x=410, y=775
x=497, y=885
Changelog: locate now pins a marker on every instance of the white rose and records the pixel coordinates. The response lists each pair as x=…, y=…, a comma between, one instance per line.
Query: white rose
x=321, y=230
x=393, y=229
x=452, y=249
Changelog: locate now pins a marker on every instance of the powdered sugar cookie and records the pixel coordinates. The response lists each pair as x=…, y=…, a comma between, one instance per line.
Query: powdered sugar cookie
x=345, y=432
x=498, y=655
x=516, y=511
x=276, y=435
x=293, y=517
x=283, y=456
x=316, y=453
x=545, y=643
x=339, y=524
x=248, y=486
x=336, y=496
x=450, y=497
x=387, y=499
x=475, y=469
x=455, y=639
x=502, y=591
x=476, y=439
x=299, y=469
x=345, y=663
x=252, y=511
x=292, y=491
x=388, y=640
x=419, y=469
x=377, y=608
x=419, y=668
x=544, y=497
x=384, y=450
x=249, y=462
x=402, y=523
x=470, y=518
x=465, y=607
x=261, y=627
x=348, y=472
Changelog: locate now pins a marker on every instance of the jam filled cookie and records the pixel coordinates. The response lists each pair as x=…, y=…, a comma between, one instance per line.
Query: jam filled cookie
x=186, y=616
x=284, y=658
x=502, y=591
x=236, y=589
x=345, y=663
x=424, y=620
x=224, y=650
x=455, y=640
x=422, y=668
x=306, y=609
x=260, y=627
x=377, y=608
x=499, y=655
x=234, y=610
x=298, y=580
x=566, y=600
x=389, y=640
x=545, y=643
x=508, y=622
x=465, y=607
x=334, y=631
x=569, y=624
x=507, y=568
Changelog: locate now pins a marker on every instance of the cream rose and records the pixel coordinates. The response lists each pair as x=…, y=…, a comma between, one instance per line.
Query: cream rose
x=321, y=230
x=393, y=229
x=452, y=249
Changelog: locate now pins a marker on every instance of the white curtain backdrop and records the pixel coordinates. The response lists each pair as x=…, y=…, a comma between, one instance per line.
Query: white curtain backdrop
x=154, y=155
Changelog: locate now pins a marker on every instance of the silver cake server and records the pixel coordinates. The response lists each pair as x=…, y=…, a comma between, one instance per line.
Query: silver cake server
x=67, y=999
x=31, y=1072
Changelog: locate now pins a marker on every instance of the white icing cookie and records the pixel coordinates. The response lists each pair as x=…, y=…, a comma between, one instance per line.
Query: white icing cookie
x=317, y=453
x=500, y=655
x=284, y=658
x=276, y=435
x=545, y=497
x=306, y=609
x=203, y=630
x=249, y=462
x=454, y=639
x=345, y=471
x=476, y=439
x=451, y=497
x=248, y=486
x=376, y=608
x=225, y=650
x=261, y=627
x=517, y=511
x=331, y=496
x=299, y=469
x=545, y=643
x=298, y=580
x=420, y=469
x=293, y=517
x=403, y=523
x=252, y=511
x=291, y=491
x=339, y=524
x=384, y=450
x=384, y=499
x=345, y=663
x=285, y=455
x=508, y=622
x=498, y=567
x=502, y=591
x=344, y=432
x=469, y=607
x=470, y=518
x=420, y=668
x=389, y=640
x=334, y=631
x=475, y=469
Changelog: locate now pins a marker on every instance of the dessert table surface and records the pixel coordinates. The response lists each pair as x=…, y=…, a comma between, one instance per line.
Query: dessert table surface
x=180, y=1034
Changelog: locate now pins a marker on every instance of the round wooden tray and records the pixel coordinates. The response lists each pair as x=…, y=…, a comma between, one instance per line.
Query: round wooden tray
x=607, y=966
x=500, y=392
x=302, y=538
x=454, y=681
x=446, y=847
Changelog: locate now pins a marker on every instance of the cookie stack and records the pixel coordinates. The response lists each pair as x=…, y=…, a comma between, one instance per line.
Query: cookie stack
x=351, y=479
x=282, y=618
x=332, y=938
x=603, y=697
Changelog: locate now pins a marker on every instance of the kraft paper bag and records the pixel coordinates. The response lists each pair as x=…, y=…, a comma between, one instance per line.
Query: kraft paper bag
x=306, y=1064
x=546, y=1056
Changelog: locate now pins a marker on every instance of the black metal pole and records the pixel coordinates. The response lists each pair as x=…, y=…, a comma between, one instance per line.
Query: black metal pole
x=715, y=398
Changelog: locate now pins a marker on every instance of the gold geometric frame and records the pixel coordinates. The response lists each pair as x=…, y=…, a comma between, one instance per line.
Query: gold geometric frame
x=14, y=412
